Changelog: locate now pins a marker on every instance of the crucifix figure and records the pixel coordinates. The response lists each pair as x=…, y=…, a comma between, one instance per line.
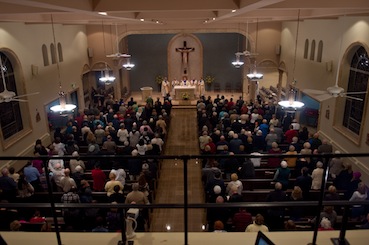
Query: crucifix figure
x=185, y=52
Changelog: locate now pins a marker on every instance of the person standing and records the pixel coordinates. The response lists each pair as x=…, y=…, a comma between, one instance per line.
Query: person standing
x=8, y=186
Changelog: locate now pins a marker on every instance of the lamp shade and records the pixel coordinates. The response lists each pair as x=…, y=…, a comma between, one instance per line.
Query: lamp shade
x=63, y=107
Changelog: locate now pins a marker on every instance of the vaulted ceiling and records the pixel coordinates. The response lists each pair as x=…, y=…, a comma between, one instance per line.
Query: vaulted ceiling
x=175, y=13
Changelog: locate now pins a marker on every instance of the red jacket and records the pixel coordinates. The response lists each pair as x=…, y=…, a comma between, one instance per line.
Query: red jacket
x=99, y=180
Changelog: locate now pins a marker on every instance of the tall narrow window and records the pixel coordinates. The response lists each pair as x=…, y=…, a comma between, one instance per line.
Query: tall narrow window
x=306, y=49
x=312, y=50
x=53, y=53
x=358, y=82
x=320, y=51
x=45, y=55
x=10, y=112
x=60, y=52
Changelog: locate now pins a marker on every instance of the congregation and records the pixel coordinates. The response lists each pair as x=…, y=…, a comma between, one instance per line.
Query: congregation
x=228, y=127
x=121, y=128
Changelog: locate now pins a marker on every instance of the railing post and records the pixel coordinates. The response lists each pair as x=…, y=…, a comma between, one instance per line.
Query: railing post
x=342, y=240
x=52, y=203
x=321, y=197
x=123, y=228
x=185, y=173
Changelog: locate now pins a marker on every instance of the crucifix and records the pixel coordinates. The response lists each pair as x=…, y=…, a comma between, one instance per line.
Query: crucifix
x=185, y=53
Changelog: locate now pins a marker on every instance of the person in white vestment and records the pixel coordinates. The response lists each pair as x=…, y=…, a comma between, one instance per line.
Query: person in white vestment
x=201, y=87
x=165, y=87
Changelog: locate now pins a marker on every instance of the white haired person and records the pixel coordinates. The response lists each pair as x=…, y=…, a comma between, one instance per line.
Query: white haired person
x=282, y=175
x=317, y=176
x=325, y=225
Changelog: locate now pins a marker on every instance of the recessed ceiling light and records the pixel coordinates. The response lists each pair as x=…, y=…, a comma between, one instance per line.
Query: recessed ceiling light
x=213, y=18
x=168, y=227
x=142, y=19
x=233, y=10
x=102, y=13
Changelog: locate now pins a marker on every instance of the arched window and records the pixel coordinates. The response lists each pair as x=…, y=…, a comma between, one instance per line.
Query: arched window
x=306, y=50
x=45, y=55
x=60, y=53
x=320, y=51
x=10, y=112
x=312, y=50
x=53, y=53
x=357, y=82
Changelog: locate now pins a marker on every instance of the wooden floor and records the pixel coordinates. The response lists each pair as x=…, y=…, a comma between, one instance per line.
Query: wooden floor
x=182, y=139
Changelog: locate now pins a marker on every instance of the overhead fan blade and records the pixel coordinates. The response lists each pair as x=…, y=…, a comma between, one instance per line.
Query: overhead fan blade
x=322, y=97
x=354, y=93
x=314, y=91
x=352, y=97
x=118, y=55
x=24, y=95
x=19, y=100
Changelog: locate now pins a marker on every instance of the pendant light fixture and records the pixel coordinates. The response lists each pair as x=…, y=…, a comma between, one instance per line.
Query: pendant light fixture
x=128, y=65
x=238, y=63
x=291, y=105
x=105, y=78
x=63, y=107
x=254, y=75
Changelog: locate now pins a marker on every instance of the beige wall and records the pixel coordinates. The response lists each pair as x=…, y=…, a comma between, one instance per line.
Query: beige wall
x=25, y=42
x=314, y=75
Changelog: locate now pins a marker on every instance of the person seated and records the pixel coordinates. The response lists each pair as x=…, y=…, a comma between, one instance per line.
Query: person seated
x=241, y=220
x=100, y=225
x=234, y=182
x=328, y=213
x=325, y=225
x=217, y=213
x=257, y=225
x=109, y=186
x=276, y=215
x=219, y=226
x=290, y=225
x=366, y=225
x=359, y=195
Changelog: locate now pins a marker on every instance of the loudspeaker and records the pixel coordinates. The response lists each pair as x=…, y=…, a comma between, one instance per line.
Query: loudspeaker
x=329, y=65
x=34, y=69
x=277, y=49
x=90, y=52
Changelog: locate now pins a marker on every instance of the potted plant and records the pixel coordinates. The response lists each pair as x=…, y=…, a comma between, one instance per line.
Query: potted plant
x=159, y=79
x=209, y=79
x=185, y=96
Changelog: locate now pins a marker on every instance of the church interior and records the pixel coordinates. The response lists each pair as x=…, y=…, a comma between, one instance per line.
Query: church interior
x=56, y=52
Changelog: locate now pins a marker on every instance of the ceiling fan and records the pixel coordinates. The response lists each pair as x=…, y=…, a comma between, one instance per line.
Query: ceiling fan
x=335, y=91
x=6, y=95
x=246, y=53
x=117, y=55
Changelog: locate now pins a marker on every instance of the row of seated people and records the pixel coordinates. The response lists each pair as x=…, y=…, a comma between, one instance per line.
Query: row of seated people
x=275, y=217
x=299, y=188
x=81, y=175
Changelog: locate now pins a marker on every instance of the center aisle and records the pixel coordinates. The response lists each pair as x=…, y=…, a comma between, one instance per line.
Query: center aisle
x=182, y=140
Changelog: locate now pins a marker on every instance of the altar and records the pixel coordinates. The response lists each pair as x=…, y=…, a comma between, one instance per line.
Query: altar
x=183, y=91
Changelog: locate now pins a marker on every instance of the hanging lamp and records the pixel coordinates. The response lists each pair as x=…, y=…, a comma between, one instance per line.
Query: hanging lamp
x=63, y=107
x=105, y=78
x=254, y=75
x=128, y=65
x=291, y=104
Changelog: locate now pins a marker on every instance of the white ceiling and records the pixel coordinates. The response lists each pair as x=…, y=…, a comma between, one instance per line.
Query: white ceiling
x=175, y=13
